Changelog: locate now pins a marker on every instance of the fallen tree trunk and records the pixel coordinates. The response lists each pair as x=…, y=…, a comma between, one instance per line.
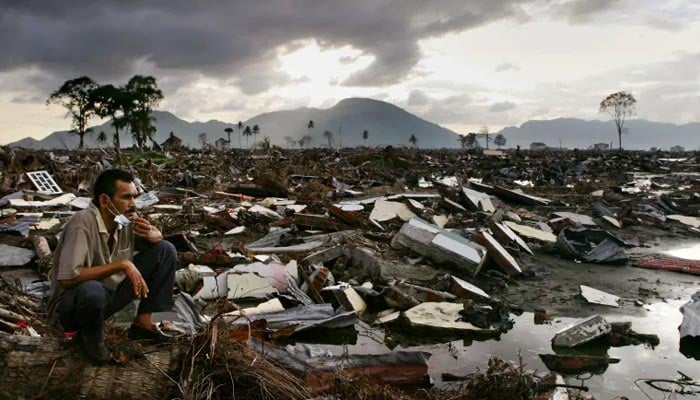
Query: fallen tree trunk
x=47, y=367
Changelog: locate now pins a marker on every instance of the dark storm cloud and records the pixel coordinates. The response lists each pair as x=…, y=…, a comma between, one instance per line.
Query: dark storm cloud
x=236, y=41
x=578, y=11
x=502, y=106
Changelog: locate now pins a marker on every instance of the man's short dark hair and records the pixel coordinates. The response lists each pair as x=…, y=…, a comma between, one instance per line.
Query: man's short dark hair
x=107, y=183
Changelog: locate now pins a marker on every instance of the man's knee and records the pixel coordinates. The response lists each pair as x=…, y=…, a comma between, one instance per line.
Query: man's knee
x=167, y=254
x=91, y=294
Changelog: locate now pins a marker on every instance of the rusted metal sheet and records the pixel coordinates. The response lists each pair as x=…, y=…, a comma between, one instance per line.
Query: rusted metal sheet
x=576, y=363
x=671, y=264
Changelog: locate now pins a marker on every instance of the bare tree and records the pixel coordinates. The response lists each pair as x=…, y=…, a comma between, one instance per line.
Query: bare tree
x=619, y=106
x=329, y=136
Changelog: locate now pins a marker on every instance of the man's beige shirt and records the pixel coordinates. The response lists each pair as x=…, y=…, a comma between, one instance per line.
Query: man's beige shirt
x=84, y=244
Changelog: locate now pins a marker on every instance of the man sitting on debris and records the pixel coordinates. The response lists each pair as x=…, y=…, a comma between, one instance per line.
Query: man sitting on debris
x=96, y=273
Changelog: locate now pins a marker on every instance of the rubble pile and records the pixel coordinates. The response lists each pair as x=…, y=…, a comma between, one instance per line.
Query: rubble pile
x=284, y=245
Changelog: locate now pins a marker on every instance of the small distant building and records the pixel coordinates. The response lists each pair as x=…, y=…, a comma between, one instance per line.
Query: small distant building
x=222, y=144
x=538, y=146
x=172, y=143
x=601, y=147
x=677, y=149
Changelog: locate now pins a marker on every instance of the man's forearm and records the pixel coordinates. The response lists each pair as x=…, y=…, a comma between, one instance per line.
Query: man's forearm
x=95, y=273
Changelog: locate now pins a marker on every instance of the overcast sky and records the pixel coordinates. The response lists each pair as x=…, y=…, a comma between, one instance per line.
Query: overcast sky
x=458, y=63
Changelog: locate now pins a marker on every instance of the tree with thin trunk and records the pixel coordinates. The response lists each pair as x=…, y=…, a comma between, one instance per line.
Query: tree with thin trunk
x=290, y=141
x=619, y=106
x=365, y=136
x=256, y=131
x=111, y=101
x=484, y=132
x=247, y=133
x=240, y=128
x=203, y=139
x=102, y=138
x=310, y=127
x=228, y=131
x=499, y=140
x=329, y=136
x=305, y=141
x=145, y=95
x=413, y=140
x=75, y=95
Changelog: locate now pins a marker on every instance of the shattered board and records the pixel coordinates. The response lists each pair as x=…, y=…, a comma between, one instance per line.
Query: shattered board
x=596, y=296
x=44, y=182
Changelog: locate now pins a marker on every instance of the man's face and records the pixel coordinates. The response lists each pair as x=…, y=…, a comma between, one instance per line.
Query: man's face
x=123, y=200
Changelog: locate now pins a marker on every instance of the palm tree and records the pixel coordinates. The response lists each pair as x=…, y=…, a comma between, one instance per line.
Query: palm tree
x=247, y=133
x=365, y=135
x=329, y=136
x=256, y=132
x=413, y=140
x=240, y=127
x=229, y=131
x=310, y=127
x=102, y=138
x=203, y=139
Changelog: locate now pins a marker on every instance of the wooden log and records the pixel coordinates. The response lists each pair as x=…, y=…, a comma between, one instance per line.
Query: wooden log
x=7, y=314
x=48, y=367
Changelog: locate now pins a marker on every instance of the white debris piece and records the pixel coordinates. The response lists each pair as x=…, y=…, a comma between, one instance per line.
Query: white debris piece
x=15, y=256
x=685, y=220
x=248, y=284
x=691, y=317
x=442, y=317
x=578, y=218
x=595, y=296
x=270, y=306
x=146, y=199
x=81, y=202
x=387, y=210
x=236, y=231
x=532, y=233
x=264, y=211
x=350, y=207
x=582, y=332
x=61, y=200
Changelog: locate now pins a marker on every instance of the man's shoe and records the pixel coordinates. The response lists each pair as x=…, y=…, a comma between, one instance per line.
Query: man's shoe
x=94, y=348
x=154, y=334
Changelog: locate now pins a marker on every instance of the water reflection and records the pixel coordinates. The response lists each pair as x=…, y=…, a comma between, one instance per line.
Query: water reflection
x=688, y=253
x=462, y=356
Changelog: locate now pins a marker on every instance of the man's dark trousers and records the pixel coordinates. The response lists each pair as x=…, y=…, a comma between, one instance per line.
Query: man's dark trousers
x=85, y=306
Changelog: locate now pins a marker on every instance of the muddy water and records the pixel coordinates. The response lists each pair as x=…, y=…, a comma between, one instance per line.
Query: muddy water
x=463, y=356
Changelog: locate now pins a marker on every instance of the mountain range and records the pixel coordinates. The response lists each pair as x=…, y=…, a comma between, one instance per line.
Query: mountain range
x=388, y=124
